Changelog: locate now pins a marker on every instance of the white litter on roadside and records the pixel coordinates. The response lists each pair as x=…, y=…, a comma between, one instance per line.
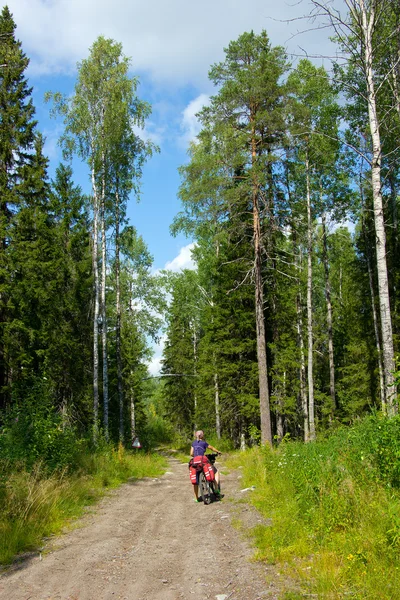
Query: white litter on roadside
x=221, y=597
x=249, y=489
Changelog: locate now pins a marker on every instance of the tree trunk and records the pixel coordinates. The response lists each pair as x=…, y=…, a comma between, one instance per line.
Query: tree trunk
x=300, y=338
x=310, y=375
x=368, y=23
x=131, y=387
x=195, y=373
x=118, y=320
x=394, y=248
x=216, y=381
x=103, y=305
x=280, y=419
x=329, y=319
x=96, y=313
x=375, y=320
x=265, y=416
x=303, y=388
x=217, y=414
x=133, y=411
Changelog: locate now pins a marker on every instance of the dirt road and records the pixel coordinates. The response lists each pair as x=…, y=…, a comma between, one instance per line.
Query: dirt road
x=148, y=541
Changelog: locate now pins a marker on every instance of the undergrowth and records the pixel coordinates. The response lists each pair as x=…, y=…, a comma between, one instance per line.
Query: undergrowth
x=36, y=504
x=335, y=510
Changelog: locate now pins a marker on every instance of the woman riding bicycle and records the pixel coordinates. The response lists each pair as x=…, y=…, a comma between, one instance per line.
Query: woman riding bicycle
x=198, y=448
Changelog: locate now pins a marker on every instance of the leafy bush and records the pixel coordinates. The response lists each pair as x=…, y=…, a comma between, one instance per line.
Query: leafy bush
x=33, y=430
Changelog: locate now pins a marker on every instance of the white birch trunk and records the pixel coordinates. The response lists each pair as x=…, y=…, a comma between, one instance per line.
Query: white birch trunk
x=302, y=374
x=217, y=413
x=375, y=321
x=216, y=380
x=310, y=375
x=133, y=411
x=280, y=420
x=103, y=304
x=373, y=306
x=96, y=312
x=118, y=320
x=368, y=23
x=195, y=371
x=132, y=404
x=329, y=317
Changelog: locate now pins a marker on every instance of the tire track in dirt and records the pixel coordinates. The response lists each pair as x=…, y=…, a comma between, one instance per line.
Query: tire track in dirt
x=148, y=541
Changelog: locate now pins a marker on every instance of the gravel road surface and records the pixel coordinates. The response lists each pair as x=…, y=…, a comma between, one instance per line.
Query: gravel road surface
x=149, y=541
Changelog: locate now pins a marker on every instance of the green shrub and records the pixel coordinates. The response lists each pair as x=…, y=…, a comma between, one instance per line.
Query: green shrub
x=34, y=431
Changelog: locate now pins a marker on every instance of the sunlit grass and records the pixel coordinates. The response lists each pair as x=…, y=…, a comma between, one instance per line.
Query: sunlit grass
x=335, y=518
x=36, y=505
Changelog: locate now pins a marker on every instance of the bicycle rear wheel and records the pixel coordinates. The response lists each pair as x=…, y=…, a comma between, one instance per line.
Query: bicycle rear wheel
x=214, y=489
x=204, y=488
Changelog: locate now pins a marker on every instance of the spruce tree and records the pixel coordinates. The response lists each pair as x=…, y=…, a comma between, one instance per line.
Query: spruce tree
x=180, y=354
x=17, y=136
x=69, y=335
x=31, y=288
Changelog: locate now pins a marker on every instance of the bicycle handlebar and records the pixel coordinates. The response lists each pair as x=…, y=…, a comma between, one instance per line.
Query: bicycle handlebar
x=213, y=456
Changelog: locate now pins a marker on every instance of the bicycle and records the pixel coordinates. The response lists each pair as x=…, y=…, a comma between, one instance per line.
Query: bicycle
x=208, y=490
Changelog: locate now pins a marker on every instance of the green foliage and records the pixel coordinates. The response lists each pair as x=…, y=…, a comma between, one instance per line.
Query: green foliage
x=158, y=430
x=335, y=507
x=34, y=431
x=180, y=353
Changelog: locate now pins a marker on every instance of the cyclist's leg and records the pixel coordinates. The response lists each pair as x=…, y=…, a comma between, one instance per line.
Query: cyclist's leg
x=196, y=491
x=217, y=478
x=204, y=488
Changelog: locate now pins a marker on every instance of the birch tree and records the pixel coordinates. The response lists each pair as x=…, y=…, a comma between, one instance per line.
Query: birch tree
x=98, y=120
x=359, y=36
x=313, y=129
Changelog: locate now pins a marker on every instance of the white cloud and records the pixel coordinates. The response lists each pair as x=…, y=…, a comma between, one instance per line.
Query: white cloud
x=190, y=124
x=183, y=260
x=151, y=132
x=174, y=41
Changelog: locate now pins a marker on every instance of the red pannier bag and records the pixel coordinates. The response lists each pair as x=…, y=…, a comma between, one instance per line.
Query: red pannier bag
x=193, y=475
x=209, y=471
x=195, y=465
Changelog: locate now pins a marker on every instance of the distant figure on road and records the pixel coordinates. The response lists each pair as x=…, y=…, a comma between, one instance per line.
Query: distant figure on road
x=198, y=448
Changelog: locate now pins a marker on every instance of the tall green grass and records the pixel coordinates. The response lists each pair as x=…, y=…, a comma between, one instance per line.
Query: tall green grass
x=335, y=511
x=36, y=504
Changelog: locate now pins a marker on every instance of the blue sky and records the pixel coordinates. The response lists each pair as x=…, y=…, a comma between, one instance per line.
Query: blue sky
x=172, y=44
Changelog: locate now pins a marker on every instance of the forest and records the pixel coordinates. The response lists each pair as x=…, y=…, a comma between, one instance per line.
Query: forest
x=285, y=332
x=287, y=327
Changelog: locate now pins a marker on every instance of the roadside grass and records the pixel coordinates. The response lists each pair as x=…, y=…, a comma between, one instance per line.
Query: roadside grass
x=36, y=504
x=335, y=510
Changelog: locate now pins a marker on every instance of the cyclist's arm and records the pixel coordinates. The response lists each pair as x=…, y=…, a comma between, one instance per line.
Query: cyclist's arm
x=213, y=449
x=191, y=451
